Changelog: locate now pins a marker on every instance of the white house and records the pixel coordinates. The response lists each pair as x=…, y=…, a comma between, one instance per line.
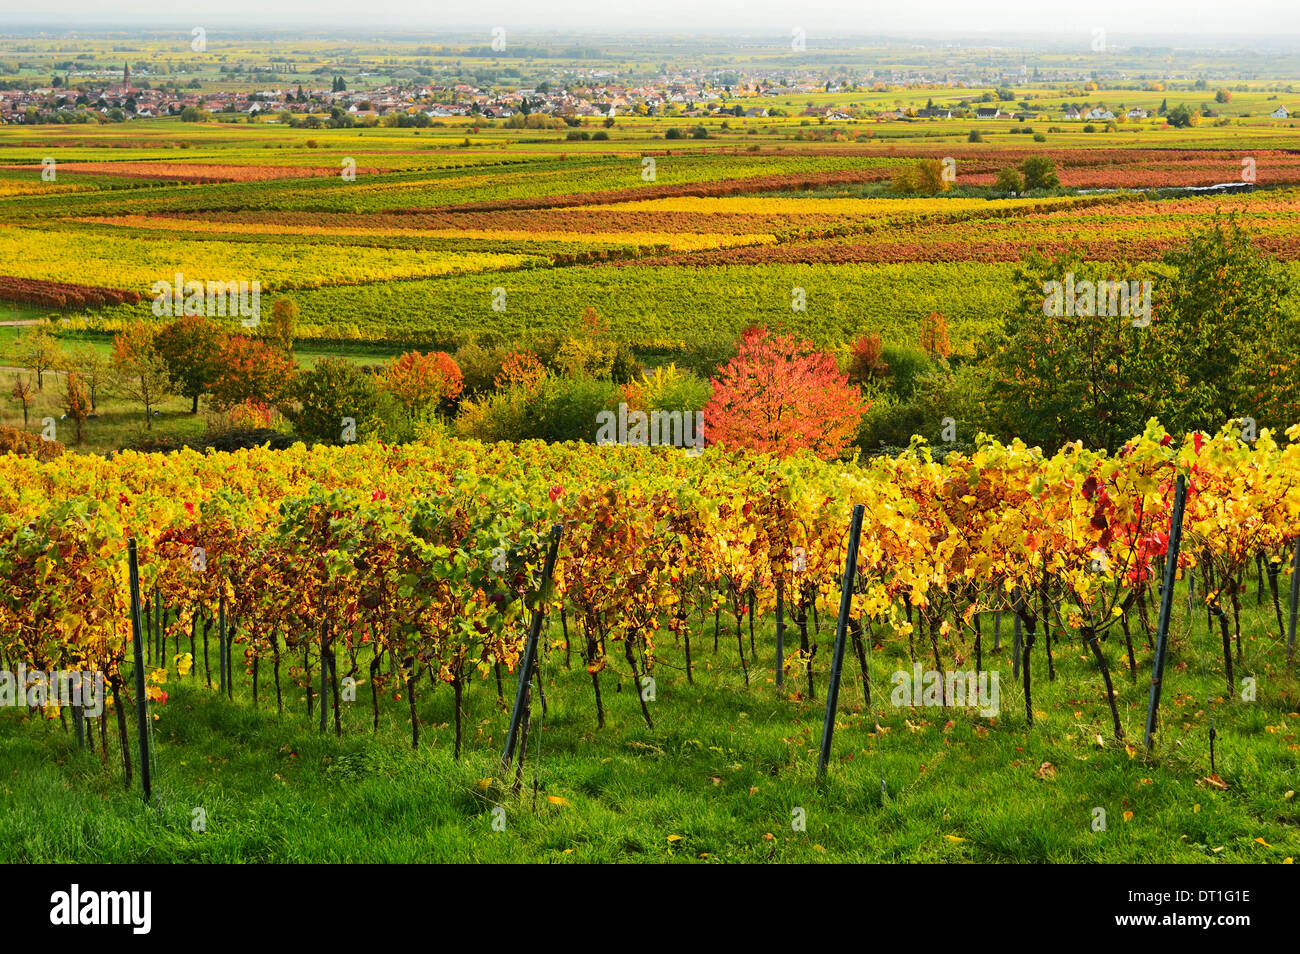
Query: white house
x=1281, y=113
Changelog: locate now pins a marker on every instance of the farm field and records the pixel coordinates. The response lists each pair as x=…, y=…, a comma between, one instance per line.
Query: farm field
x=490, y=232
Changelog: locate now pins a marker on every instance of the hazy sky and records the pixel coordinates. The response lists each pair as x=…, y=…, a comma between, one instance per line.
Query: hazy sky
x=1127, y=18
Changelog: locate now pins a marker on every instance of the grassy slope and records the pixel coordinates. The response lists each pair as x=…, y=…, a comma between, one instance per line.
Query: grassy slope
x=724, y=767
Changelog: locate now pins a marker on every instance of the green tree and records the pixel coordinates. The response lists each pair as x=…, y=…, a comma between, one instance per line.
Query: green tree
x=38, y=351
x=1039, y=173
x=333, y=395
x=1182, y=116
x=1237, y=337
x=1057, y=376
x=191, y=347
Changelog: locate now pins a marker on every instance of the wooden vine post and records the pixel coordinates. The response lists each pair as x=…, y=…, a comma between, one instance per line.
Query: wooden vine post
x=780, y=632
x=1295, y=605
x=1166, y=606
x=841, y=626
x=137, y=641
x=529, y=662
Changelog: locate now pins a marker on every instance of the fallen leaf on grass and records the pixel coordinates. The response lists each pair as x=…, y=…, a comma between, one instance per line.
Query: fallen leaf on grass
x=956, y=839
x=1046, y=770
x=768, y=836
x=674, y=838
x=1214, y=782
x=1261, y=841
x=557, y=800
x=484, y=784
x=1128, y=816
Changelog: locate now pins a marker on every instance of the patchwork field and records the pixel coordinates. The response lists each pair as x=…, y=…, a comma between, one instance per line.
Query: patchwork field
x=426, y=236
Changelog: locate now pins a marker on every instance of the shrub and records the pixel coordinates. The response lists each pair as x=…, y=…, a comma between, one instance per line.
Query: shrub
x=500, y=416
x=519, y=368
x=904, y=180
x=669, y=388
x=906, y=365
x=245, y=438
x=1009, y=180
x=331, y=392
x=866, y=360
x=565, y=408
x=27, y=444
x=1040, y=173
x=479, y=366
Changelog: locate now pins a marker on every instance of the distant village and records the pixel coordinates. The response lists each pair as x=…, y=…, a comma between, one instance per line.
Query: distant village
x=422, y=104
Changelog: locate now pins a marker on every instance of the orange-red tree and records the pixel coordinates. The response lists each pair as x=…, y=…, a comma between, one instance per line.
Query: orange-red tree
x=141, y=371
x=934, y=335
x=420, y=381
x=251, y=369
x=782, y=395
x=866, y=360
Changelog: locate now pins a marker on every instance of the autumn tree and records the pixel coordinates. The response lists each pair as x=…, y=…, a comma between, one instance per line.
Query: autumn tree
x=866, y=360
x=76, y=402
x=781, y=395
x=519, y=368
x=92, y=366
x=24, y=394
x=191, y=347
x=37, y=350
x=141, y=371
x=282, y=327
x=930, y=179
x=251, y=369
x=934, y=335
x=420, y=382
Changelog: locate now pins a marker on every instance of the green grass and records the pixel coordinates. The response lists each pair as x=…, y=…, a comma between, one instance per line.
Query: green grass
x=724, y=768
